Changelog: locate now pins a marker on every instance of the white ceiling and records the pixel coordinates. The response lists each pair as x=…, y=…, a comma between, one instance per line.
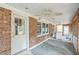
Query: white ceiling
x=38, y=9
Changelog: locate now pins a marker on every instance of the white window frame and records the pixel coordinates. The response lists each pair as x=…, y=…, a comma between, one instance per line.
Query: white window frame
x=42, y=34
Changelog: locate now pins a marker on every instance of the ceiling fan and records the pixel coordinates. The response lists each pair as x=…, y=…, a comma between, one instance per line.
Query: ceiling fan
x=49, y=12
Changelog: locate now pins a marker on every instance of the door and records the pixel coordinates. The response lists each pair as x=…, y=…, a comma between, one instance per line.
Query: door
x=59, y=32
x=19, y=34
x=66, y=33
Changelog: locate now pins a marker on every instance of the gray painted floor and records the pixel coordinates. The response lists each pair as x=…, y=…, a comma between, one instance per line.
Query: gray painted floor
x=54, y=47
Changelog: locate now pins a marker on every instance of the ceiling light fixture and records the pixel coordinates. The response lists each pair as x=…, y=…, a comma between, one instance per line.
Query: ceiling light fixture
x=26, y=8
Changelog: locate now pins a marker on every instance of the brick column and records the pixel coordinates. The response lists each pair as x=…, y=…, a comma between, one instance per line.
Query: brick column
x=5, y=31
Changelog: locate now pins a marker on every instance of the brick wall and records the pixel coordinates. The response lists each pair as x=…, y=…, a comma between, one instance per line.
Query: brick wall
x=51, y=29
x=78, y=38
x=74, y=29
x=33, y=32
x=5, y=31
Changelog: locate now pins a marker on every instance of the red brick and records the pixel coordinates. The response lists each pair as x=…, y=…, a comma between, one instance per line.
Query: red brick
x=5, y=31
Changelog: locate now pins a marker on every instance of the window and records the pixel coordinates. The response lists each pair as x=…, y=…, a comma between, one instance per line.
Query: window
x=59, y=28
x=39, y=28
x=42, y=28
x=19, y=26
x=66, y=29
x=46, y=28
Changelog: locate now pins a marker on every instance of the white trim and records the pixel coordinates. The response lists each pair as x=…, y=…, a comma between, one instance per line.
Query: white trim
x=13, y=31
x=42, y=35
x=27, y=33
x=38, y=44
x=12, y=26
x=19, y=51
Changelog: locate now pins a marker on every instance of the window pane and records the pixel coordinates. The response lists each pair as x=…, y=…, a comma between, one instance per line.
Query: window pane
x=19, y=26
x=66, y=29
x=43, y=28
x=59, y=28
x=46, y=28
x=38, y=28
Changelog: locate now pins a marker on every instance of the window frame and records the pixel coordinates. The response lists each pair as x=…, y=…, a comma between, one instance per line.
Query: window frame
x=45, y=33
x=22, y=25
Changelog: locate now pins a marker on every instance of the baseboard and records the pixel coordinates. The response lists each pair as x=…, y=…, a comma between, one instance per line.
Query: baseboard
x=38, y=44
x=20, y=51
x=31, y=47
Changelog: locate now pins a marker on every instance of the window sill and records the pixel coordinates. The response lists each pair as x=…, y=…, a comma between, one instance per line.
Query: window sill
x=42, y=35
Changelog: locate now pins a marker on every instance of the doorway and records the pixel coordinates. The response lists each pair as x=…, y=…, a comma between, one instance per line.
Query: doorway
x=19, y=34
x=66, y=32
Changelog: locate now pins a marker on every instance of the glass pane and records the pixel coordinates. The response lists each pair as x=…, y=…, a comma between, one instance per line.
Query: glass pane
x=59, y=28
x=38, y=28
x=43, y=28
x=66, y=29
x=46, y=28
x=19, y=26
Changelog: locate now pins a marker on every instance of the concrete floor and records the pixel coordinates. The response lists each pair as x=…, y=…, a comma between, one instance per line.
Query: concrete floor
x=52, y=47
